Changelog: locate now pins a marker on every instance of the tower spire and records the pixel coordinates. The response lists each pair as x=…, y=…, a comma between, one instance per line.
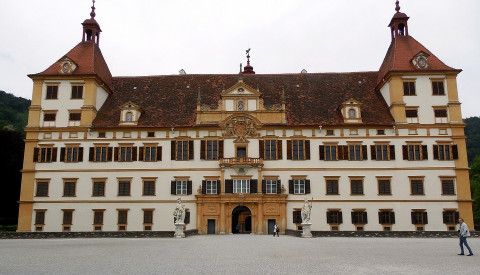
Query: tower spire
x=397, y=6
x=91, y=29
x=248, y=69
x=92, y=14
x=398, y=25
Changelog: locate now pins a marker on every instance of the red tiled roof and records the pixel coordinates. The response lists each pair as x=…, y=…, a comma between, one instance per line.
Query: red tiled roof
x=400, y=54
x=311, y=99
x=89, y=60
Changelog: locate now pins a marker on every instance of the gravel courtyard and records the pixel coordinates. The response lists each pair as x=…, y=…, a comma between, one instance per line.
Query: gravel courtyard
x=238, y=254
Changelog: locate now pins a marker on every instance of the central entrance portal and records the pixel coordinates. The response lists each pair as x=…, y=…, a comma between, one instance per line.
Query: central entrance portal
x=241, y=220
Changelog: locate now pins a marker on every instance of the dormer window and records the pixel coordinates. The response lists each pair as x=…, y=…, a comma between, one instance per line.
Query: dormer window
x=420, y=61
x=351, y=111
x=130, y=114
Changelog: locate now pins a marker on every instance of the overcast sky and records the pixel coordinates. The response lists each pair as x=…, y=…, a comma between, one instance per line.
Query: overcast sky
x=144, y=37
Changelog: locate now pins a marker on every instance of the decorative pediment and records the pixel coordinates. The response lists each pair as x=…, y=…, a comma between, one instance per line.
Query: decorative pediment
x=241, y=127
x=240, y=89
x=351, y=111
x=130, y=113
x=420, y=60
x=67, y=66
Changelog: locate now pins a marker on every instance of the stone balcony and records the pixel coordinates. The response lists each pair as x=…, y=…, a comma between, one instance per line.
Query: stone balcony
x=241, y=162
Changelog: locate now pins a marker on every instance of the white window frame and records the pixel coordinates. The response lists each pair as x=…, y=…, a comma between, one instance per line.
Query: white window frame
x=241, y=186
x=271, y=186
x=299, y=186
x=211, y=187
x=181, y=187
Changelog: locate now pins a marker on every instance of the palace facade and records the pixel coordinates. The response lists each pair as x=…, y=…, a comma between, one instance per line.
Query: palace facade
x=373, y=151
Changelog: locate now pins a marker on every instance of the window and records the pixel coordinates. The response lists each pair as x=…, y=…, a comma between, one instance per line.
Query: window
x=450, y=217
x=271, y=186
x=71, y=153
x=419, y=217
x=448, y=187
x=47, y=154
x=181, y=187
x=334, y=217
x=148, y=216
x=241, y=186
x=381, y=152
x=129, y=116
x=77, y=92
x=69, y=188
x=381, y=132
x=126, y=153
x=101, y=135
x=415, y=152
x=351, y=113
x=270, y=149
x=150, y=153
x=49, y=119
x=150, y=134
x=149, y=188
x=241, y=152
x=384, y=187
x=212, y=149
x=443, y=152
x=356, y=186
x=332, y=186
x=386, y=217
x=297, y=216
x=298, y=150
x=441, y=115
x=355, y=152
x=417, y=186
x=67, y=216
x=408, y=88
x=438, y=88
x=74, y=118
x=124, y=188
x=52, y=92
x=411, y=115
x=328, y=152
x=101, y=153
x=211, y=186
x=183, y=149
x=299, y=186
x=359, y=217
x=40, y=217
x=122, y=220
x=98, y=216
x=98, y=188
x=330, y=133
x=42, y=189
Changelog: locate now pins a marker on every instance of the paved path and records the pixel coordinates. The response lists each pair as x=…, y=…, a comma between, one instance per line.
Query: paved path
x=238, y=254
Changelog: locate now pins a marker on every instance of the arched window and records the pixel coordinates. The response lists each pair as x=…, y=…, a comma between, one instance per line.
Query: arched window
x=129, y=116
x=240, y=106
x=401, y=29
x=351, y=113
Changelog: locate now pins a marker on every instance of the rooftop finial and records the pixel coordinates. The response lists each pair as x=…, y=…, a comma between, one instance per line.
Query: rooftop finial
x=92, y=14
x=248, y=56
x=248, y=69
x=397, y=6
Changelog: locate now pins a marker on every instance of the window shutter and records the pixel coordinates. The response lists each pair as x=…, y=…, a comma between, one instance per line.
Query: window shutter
x=91, y=153
x=340, y=217
x=365, y=217
x=340, y=152
x=321, y=150
x=457, y=216
x=424, y=152
x=204, y=187
x=35, y=154
x=345, y=152
x=62, y=154
x=173, y=150
x=253, y=186
x=159, y=153
x=264, y=186
x=279, y=187
x=364, y=152
x=261, y=148
x=307, y=186
x=290, y=186
x=202, y=150
x=307, y=149
x=413, y=217
x=54, y=154
x=109, y=153
x=219, y=187
x=229, y=186
x=80, y=154
x=392, y=152
x=392, y=217
x=425, y=217
x=380, y=218
x=115, y=155
x=329, y=217
x=279, y=150
x=220, y=149
x=187, y=217
x=140, y=153
x=190, y=150
x=189, y=187
x=455, y=151
x=405, y=152
x=445, y=221
x=373, y=152
x=354, y=218
x=134, y=153
x=435, y=151
x=173, y=187
x=289, y=149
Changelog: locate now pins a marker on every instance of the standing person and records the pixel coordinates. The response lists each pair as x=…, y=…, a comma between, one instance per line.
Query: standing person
x=463, y=233
x=275, y=228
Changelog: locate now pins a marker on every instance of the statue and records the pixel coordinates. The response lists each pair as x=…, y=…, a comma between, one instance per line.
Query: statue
x=306, y=210
x=179, y=212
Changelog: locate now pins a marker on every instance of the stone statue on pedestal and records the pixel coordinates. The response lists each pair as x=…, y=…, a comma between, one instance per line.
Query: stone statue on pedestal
x=306, y=224
x=179, y=214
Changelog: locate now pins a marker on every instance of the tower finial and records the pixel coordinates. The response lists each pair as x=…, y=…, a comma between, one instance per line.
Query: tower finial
x=92, y=14
x=248, y=69
x=397, y=6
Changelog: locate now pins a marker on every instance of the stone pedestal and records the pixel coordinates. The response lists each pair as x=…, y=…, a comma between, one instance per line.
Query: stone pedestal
x=307, y=233
x=179, y=230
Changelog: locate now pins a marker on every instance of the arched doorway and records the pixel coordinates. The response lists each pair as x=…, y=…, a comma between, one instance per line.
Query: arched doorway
x=241, y=220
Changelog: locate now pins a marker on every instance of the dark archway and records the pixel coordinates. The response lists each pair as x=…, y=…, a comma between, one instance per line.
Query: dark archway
x=241, y=220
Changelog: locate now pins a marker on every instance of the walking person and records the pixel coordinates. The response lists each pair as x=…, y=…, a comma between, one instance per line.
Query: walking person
x=275, y=228
x=463, y=233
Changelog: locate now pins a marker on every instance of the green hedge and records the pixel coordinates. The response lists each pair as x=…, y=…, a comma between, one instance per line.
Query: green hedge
x=8, y=228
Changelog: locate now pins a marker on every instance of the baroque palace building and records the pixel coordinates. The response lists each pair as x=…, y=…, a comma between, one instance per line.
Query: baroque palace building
x=373, y=151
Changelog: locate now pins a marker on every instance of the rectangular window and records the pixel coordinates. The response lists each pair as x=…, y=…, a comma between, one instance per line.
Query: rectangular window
x=39, y=217
x=98, y=217
x=384, y=187
x=149, y=188
x=52, y=92
x=450, y=216
x=122, y=216
x=441, y=115
x=359, y=217
x=212, y=149
x=49, y=119
x=355, y=152
x=332, y=187
x=125, y=153
x=98, y=189
x=101, y=134
x=124, y=188
x=356, y=187
x=211, y=187
x=419, y=217
x=299, y=186
x=148, y=216
x=270, y=149
x=77, y=92
x=380, y=132
x=444, y=152
x=386, y=217
x=71, y=154
x=75, y=116
x=69, y=188
x=438, y=88
x=298, y=150
x=150, y=153
x=67, y=217
x=42, y=189
x=182, y=150
x=417, y=186
x=334, y=217
x=101, y=153
x=330, y=133
x=414, y=152
x=150, y=134
x=241, y=186
x=381, y=152
x=412, y=115
x=409, y=88
x=448, y=187
x=330, y=152
x=46, y=154
x=271, y=186
x=181, y=187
